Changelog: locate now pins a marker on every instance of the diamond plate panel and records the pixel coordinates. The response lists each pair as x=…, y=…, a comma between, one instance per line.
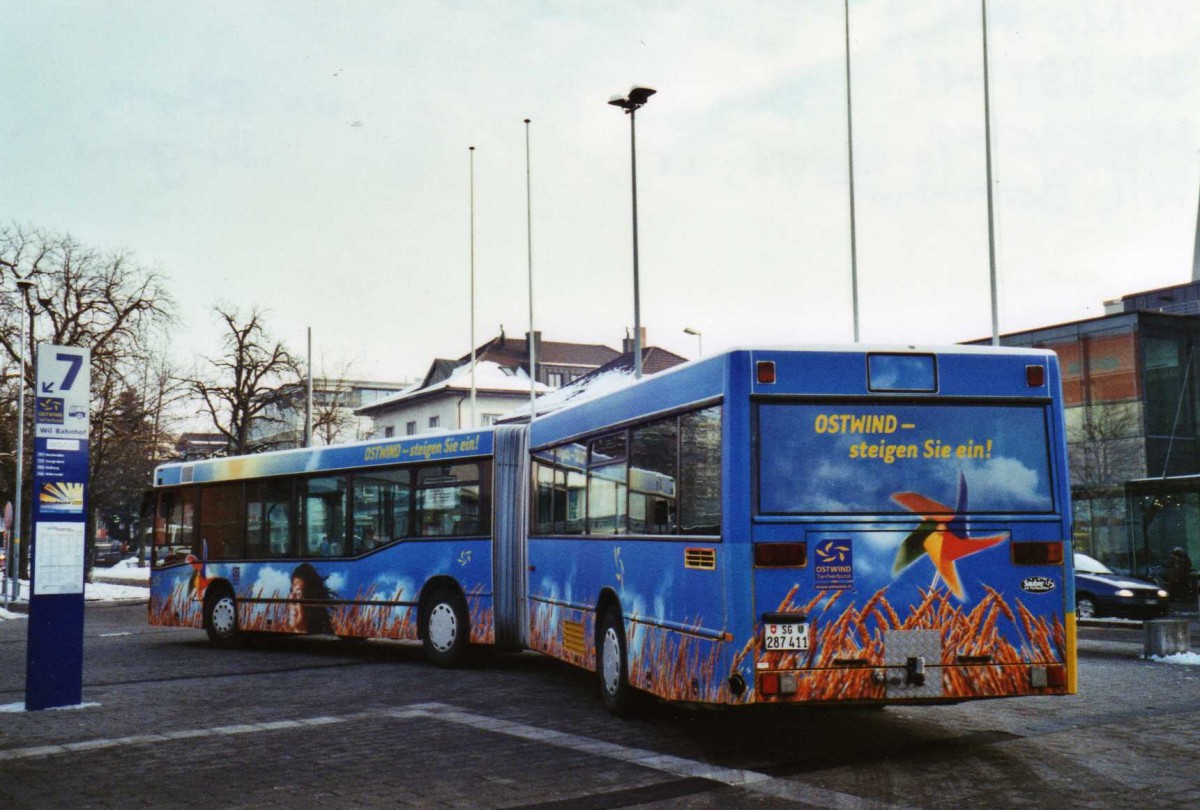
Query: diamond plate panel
x=899, y=646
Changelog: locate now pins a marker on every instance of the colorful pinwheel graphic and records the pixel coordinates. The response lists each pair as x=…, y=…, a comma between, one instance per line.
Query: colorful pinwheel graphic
x=941, y=535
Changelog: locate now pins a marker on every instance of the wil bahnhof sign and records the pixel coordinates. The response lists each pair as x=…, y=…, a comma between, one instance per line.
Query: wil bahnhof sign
x=54, y=663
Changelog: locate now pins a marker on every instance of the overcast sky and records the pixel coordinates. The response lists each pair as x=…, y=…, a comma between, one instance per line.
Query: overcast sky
x=312, y=158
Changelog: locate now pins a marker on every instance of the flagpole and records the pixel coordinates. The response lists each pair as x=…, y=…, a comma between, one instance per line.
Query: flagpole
x=474, y=420
x=529, y=243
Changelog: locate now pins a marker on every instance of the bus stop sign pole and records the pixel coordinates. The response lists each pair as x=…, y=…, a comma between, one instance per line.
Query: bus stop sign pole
x=54, y=657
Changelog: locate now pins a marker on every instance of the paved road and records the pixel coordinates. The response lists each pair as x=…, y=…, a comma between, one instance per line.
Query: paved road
x=172, y=722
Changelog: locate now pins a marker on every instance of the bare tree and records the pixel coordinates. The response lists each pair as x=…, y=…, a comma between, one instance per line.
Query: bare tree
x=333, y=411
x=1104, y=449
x=245, y=394
x=80, y=296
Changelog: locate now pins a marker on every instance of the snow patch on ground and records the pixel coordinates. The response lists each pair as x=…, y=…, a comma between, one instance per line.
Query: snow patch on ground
x=1190, y=659
x=14, y=708
x=92, y=592
x=125, y=570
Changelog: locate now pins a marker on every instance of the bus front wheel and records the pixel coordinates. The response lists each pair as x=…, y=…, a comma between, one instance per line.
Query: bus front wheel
x=220, y=618
x=613, y=666
x=445, y=631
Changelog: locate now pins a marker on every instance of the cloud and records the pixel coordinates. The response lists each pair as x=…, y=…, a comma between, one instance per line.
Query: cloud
x=272, y=582
x=1007, y=481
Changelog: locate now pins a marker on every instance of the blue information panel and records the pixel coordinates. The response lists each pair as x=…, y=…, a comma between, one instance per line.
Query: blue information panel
x=54, y=664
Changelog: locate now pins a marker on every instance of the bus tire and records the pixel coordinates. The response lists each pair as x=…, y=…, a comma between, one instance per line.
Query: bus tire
x=445, y=628
x=612, y=665
x=220, y=617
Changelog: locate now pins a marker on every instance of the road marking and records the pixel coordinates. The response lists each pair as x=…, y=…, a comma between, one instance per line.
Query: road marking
x=753, y=781
x=676, y=766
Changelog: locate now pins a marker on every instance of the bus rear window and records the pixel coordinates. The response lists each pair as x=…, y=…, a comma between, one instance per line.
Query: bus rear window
x=850, y=459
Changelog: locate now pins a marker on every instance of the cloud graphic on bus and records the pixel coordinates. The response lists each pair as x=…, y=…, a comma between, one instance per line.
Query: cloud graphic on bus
x=1010, y=480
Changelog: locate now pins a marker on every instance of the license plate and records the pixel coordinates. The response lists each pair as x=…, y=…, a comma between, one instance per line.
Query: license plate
x=789, y=636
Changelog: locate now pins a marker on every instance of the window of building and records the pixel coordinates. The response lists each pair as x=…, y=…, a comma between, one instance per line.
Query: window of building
x=410, y=428
x=434, y=421
x=389, y=432
x=554, y=379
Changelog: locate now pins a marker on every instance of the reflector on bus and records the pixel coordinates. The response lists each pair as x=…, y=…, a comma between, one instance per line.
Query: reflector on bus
x=1045, y=553
x=780, y=555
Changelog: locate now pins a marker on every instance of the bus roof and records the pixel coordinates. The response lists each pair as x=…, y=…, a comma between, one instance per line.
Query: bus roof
x=439, y=446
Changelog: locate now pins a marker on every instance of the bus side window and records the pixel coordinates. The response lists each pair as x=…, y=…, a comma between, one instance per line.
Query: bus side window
x=700, y=472
x=175, y=535
x=381, y=508
x=653, y=458
x=543, y=492
x=222, y=523
x=323, y=501
x=451, y=501
x=570, y=488
x=608, y=482
x=269, y=518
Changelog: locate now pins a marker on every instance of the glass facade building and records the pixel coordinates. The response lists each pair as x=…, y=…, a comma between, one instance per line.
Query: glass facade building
x=1131, y=386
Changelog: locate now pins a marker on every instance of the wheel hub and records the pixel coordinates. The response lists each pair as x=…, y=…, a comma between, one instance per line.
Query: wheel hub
x=612, y=661
x=443, y=627
x=224, y=616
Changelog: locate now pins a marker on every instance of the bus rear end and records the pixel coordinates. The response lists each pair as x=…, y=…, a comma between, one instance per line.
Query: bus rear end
x=909, y=527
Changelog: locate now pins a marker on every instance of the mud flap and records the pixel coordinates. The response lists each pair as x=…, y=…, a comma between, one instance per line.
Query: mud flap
x=914, y=664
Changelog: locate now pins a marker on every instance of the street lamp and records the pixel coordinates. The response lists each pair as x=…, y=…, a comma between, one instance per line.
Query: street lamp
x=687, y=330
x=631, y=102
x=14, y=538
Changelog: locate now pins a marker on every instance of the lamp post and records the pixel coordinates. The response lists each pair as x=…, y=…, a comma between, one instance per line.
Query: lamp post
x=14, y=542
x=687, y=330
x=631, y=102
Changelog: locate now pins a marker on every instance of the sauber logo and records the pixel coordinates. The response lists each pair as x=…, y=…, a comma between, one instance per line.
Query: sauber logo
x=1037, y=585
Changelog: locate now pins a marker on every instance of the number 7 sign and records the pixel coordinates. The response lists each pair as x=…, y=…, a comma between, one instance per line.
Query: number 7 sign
x=64, y=381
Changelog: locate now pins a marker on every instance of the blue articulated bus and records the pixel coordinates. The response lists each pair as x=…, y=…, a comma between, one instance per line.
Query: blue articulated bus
x=826, y=525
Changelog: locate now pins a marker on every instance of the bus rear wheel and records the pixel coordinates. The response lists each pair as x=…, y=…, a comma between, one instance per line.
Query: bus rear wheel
x=445, y=628
x=220, y=618
x=612, y=665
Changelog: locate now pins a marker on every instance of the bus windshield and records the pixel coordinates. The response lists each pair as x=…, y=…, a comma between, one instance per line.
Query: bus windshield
x=850, y=458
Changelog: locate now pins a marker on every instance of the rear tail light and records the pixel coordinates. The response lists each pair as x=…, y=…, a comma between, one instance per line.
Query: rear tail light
x=1035, y=376
x=775, y=683
x=780, y=555
x=765, y=371
x=1046, y=553
x=1054, y=675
